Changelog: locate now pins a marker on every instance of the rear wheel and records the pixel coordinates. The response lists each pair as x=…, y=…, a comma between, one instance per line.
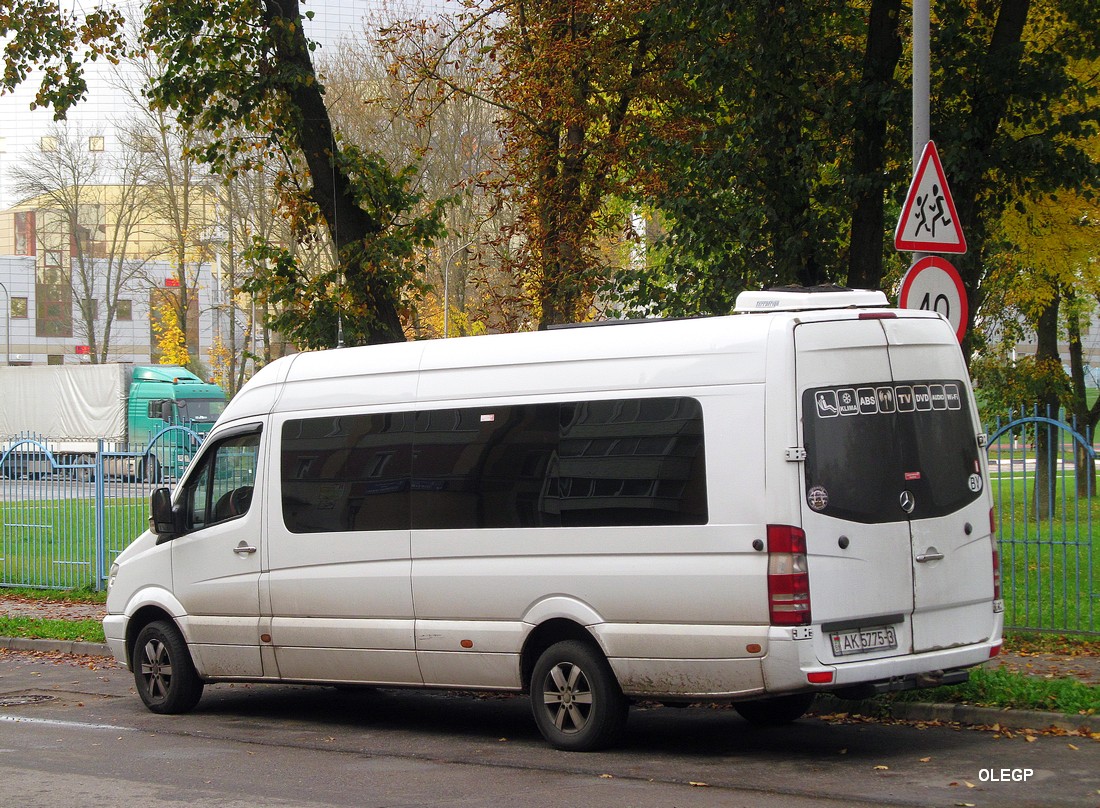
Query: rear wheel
x=576, y=699
x=163, y=672
x=149, y=470
x=775, y=711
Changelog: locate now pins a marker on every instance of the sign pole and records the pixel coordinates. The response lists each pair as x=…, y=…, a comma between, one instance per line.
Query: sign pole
x=922, y=126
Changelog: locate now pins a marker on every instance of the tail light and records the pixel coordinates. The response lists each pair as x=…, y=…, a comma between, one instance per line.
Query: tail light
x=996, y=555
x=996, y=572
x=788, y=577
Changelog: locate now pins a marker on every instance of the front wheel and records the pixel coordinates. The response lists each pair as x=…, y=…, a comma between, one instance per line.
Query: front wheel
x=576, y=699
x=165, y=676
x=776, y=710
x=149, y=470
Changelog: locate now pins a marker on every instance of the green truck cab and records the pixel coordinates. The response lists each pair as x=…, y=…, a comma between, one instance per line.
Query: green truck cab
x=162, y=396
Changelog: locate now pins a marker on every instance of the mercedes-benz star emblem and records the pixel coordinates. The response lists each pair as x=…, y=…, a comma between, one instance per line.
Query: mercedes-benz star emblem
x=908, y=501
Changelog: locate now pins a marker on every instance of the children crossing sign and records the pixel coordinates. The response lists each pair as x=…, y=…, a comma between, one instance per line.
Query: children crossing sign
x=928, y=221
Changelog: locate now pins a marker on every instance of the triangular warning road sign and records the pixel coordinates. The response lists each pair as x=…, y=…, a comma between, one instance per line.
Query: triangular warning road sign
x=928, y=222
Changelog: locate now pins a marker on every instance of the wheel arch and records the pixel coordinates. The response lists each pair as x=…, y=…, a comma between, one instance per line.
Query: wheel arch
x=546, y=634
x=142, y=617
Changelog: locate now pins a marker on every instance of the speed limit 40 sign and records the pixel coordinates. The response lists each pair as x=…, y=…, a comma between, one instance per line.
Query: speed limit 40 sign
x=932, y=284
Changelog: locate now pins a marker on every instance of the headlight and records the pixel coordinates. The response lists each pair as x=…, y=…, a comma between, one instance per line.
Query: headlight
x=111, y=575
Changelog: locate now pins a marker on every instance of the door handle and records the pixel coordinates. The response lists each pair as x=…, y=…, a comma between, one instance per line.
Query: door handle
x=932, y=555
x=244, y=549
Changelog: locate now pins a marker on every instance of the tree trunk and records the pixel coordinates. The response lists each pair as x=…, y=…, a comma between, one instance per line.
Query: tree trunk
x=992, y=89
x=333, y=192
x=1046, y=436
x=869, y=148
x=1084, y=463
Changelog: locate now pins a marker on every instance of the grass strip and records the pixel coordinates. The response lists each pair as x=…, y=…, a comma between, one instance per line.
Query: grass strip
x=82, y=595
x=42, y=629
x=1002, y=689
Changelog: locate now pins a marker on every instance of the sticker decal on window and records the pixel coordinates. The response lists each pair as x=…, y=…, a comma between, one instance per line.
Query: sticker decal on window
x=887, y=399
x=826, y=404
x=818, y=498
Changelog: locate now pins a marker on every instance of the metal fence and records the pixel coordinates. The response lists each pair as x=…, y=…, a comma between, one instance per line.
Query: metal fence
x=65, y=518
x=65, y=514
x=1043, y=478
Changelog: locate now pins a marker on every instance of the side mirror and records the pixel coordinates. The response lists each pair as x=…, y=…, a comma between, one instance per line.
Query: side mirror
x=162, y=520
x=166, y=411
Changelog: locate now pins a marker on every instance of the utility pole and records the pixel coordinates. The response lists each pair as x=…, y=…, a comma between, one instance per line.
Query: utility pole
x=922, y=69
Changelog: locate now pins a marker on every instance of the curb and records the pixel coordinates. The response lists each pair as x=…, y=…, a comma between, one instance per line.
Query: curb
x=58, y=646
x=967, y=714
x=906, y=711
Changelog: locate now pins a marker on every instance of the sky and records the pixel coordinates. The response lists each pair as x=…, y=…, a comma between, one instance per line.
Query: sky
x=22, y=129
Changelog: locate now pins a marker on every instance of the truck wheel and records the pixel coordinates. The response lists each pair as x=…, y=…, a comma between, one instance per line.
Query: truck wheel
x=775, y=711
x=149, y=470
x=576, y=699
x=165, y=676
x=85, y=475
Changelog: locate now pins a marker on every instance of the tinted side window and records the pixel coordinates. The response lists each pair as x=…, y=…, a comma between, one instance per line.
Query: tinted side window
x=347, y=472
x=632, y=462
x=623, y=462
x=485, y=467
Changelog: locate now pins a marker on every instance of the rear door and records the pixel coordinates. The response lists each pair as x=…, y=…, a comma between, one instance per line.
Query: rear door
x=950, y=521
x=857, y=535
x=894, y=507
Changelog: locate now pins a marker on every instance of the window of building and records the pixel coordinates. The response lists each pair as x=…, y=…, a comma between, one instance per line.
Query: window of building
x=621, y=462
x=25, y=242
x=96, y=143
x=19, y=308
x=124, y=309
x=89, y=308
x=48, y=143
x=55, y=359
x=53, y=311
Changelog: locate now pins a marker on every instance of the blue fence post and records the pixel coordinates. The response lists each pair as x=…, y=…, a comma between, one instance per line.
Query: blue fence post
x=100, y=518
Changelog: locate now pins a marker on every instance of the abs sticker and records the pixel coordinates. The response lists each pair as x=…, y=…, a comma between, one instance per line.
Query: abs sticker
x=818, y=498
x=974, y=483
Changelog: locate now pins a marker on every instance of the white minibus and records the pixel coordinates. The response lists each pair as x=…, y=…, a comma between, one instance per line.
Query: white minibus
x=753, y=508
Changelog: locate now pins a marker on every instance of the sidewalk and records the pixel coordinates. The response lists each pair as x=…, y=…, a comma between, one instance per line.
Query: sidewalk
x=1084, y=668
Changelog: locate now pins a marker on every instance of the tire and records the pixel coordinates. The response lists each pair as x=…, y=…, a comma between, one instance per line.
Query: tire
x=163, y=672
x=576, y=699
x=149, y=470
x=775, y=711
x=85, y=475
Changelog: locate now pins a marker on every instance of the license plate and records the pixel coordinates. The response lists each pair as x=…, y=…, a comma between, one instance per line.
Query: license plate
x=863, y=640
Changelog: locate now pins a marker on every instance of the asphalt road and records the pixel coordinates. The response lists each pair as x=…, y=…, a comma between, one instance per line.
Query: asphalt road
x=73, y=733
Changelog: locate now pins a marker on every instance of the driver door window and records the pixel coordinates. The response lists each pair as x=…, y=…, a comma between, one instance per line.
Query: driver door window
x=221, y=489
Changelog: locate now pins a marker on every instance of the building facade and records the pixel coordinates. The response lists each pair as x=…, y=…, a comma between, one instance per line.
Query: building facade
x=112, y=328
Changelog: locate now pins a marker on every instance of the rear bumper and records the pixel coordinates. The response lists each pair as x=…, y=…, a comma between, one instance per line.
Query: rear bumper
x=792, y=665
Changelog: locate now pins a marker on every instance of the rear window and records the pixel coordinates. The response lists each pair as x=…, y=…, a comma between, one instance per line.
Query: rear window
x=875, y=450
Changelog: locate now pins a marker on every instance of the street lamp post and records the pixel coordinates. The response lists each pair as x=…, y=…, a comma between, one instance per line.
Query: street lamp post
x=447, y=289
x=7, y=324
